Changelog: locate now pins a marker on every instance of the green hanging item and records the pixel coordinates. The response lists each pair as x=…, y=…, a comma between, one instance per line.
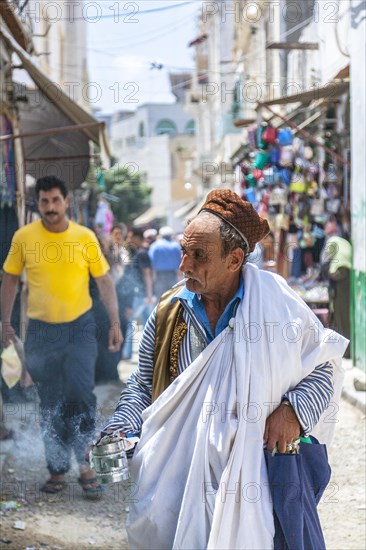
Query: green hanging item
x=261, y=144
x=261, y=160
x=251, y=180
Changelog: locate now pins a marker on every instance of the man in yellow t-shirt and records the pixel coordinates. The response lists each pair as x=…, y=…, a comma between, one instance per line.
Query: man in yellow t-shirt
x=59, y=256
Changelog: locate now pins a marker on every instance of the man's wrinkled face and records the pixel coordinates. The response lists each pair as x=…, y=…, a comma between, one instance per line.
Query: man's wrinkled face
x=52, y=206
x=204, y=268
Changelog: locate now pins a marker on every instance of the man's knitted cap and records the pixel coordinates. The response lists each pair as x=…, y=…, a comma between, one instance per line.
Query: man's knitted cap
x=240, y=214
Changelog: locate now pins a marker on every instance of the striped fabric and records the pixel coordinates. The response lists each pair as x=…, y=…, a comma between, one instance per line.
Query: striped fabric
x=309, y=399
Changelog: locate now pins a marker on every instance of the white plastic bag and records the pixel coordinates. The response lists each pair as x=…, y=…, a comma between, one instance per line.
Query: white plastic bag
x=11, y=366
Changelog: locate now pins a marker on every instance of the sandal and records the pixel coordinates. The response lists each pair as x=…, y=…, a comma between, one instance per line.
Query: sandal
x=91, y=489
x=53, y=487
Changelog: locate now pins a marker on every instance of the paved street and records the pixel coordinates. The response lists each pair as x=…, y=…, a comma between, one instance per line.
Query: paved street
x=68, y=522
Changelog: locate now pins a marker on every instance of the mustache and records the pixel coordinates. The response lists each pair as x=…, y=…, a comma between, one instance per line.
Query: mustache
x=50, y=213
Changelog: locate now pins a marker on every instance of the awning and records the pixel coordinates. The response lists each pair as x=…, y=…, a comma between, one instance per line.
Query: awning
x=331, y=90
x=65, y=153
x=14, y=24
x=192, y=213
x=60, y=112
x=187, y=207
x=151, y=214
x=53, y=91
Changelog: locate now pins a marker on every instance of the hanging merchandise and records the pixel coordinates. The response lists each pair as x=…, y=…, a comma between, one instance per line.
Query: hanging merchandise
x=285, y=137
x=314, y=169
x=274, y=155
x=251, y=180
x=261, y=144
x=261, y=160
x=302, y=163
x=317, y=207
x=257, y=174
x=331, y=174
x=298, y=184
x=287, y=156
x=308, y=153
x=269, y=134
x=252, y=141
x=298, y=145
x=312, y=188
x=250, y=195
x=7, y=165
x=271, y=176
x=285, y=176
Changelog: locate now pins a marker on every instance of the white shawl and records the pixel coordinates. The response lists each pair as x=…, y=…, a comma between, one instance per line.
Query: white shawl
x=199, y=469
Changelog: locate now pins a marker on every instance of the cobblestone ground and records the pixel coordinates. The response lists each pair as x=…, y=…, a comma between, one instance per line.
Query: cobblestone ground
x=69, y=522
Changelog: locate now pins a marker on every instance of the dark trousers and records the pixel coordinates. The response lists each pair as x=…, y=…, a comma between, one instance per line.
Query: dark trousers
x=61, y=360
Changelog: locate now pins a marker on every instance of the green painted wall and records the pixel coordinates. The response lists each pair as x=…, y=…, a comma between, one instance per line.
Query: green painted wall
x=358, y=319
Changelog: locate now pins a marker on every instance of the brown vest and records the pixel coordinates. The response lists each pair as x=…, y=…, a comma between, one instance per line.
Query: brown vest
x=170, y=328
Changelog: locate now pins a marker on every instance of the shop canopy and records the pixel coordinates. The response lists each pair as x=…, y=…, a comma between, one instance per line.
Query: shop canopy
x=55, y=131
x=151, y=214
x=332, y=90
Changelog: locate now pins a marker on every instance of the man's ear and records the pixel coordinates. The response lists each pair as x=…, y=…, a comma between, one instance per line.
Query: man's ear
x=236, y=259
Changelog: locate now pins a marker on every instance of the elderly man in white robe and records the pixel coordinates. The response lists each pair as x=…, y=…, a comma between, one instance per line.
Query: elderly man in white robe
x=230, y=361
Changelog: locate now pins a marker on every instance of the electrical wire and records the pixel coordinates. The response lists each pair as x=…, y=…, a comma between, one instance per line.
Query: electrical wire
x=142, y=12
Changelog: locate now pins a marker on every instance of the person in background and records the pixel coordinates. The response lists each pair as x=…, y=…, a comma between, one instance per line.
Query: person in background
x=165, y=255
x=117, y=253
x=150, y=236
x=336, y=265
x=136, y=285
x=59, y=257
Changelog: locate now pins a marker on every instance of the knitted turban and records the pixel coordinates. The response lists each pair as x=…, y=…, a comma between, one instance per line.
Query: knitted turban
x=240, y=214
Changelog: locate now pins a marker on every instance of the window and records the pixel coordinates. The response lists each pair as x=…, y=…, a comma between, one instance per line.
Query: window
x=191, y=127
x=166, y=126
x=141, y=129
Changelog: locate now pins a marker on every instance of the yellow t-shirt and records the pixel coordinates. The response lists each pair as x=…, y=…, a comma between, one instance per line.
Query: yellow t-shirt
x=57, y=266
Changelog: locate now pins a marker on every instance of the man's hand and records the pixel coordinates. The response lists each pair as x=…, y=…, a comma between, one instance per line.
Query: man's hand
x=8, y=335
x=109, y=298
x=282, y=427
x=115, y=338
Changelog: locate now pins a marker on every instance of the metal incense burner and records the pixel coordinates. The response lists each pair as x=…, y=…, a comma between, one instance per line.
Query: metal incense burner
x=109, y=459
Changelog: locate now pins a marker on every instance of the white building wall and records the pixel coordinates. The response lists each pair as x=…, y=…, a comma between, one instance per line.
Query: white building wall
x=61, y=45
x=151, y=153
x=330, y=28
x=358, y=140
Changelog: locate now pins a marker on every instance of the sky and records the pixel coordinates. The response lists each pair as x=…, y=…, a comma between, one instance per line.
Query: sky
x=124, y=42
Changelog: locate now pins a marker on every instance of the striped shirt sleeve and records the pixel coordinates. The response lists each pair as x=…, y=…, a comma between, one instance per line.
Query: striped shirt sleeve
x=312, y=395
x=136, y=397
